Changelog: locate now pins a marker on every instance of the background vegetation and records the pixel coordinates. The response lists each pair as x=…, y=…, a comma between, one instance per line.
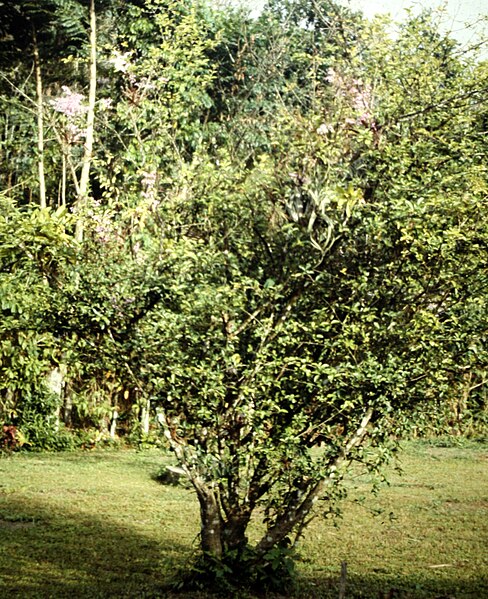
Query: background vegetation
x=259, y=242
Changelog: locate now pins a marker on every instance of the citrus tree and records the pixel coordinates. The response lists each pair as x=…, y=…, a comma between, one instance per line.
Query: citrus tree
x=311, y=297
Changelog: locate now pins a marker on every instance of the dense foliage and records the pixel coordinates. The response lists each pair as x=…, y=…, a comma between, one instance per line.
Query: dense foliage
x=264, y=236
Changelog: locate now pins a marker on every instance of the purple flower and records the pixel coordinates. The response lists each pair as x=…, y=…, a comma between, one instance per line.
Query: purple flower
x=70, y=103
x=73, y=133
x=358, y=94
x=149, y=178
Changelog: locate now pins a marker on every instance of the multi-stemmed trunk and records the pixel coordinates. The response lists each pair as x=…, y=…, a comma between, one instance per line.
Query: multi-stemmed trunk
x=225, y=517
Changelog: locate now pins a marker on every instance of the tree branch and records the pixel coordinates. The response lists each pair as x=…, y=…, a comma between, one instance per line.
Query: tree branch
x=296, y=515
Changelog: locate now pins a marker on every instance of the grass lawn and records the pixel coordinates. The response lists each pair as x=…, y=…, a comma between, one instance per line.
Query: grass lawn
x=97, y=524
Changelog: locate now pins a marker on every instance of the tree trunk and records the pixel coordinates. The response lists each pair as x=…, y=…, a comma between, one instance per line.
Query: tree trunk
x=234, y=529
x=55, y=383
x=210, y=515
x=68, y=405
x=145, y=417
x=90, y=120
x=113, y=424
x=40, y=122
x=211, y=521
x=63, y=181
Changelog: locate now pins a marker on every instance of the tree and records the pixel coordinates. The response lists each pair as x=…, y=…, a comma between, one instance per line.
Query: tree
x=310, y=299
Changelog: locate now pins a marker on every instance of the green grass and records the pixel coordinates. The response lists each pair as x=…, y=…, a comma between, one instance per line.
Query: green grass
x=97, y=524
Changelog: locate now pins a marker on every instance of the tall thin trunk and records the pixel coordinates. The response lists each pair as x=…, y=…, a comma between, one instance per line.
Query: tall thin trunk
x=55, y=383
x=90, y=120
x=63, y=181
x=40, y=122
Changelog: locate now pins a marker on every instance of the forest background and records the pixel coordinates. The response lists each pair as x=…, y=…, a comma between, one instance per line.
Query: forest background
x=241, y=238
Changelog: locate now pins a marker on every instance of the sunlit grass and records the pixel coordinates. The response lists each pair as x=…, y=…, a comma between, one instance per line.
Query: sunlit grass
x=98, y=524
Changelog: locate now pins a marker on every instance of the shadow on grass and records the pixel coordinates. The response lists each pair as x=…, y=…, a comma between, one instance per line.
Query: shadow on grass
x=64, y=553
x=46, y=553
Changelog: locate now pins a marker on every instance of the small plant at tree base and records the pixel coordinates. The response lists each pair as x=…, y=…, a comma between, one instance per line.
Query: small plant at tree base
x=242, y=570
